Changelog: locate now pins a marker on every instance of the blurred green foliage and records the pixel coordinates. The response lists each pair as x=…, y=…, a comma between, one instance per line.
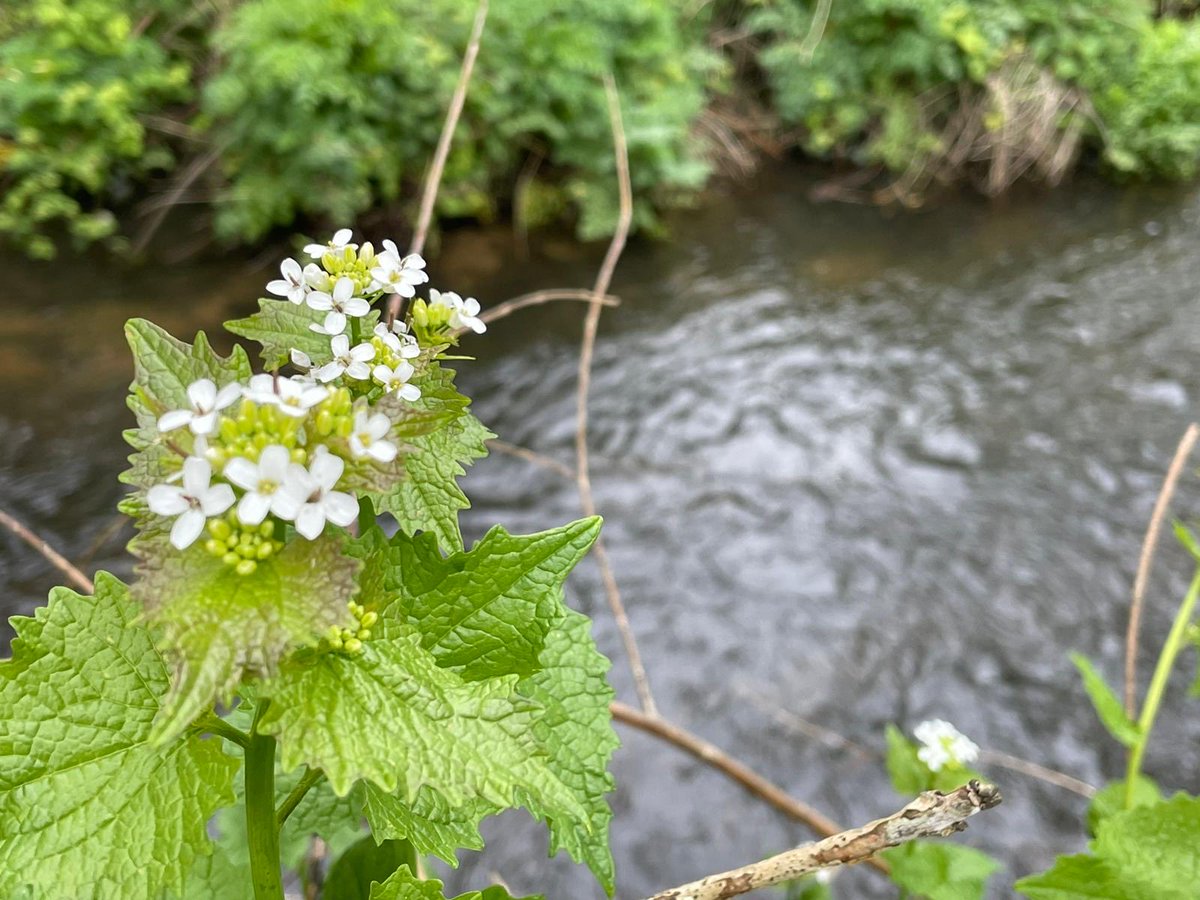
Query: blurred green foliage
x=888, y=75
x=273, y=111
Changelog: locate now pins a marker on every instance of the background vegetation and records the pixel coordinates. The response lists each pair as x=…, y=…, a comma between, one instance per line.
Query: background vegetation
x=270, y=112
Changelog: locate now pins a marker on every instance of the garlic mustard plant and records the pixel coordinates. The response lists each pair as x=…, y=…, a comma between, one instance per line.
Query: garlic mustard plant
x=286, y=665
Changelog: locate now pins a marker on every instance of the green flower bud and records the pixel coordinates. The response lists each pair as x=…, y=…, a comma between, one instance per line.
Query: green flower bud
x=231, y=559
x=246, y=567
x=354, y=645
x=219, y=529
x=265, y=550
x=215, y=547
x=369, y=619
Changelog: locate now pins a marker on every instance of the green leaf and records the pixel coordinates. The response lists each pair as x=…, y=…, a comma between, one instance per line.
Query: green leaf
x=1145, y=853
x=430, y=498
x=403, y=885
x=89, y=807
x=1110, y=799
x=433, y=826
x=909, y=775
x=218, y=625
x=352, y=875
x=163, y=368
x=1107, y=706
x=280, y=326
x=940, y=871
x=576, y=728
x=487, y=612
x=391, y=715
x=1184, y=535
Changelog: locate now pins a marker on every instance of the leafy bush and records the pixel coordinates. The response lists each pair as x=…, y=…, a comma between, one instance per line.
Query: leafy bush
x=328, y=107
x=75, y=78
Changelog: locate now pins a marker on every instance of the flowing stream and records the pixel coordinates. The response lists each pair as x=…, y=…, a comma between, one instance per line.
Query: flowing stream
x=857, y=468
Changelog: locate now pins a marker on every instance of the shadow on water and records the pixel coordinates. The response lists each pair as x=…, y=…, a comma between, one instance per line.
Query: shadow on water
x=865, y=468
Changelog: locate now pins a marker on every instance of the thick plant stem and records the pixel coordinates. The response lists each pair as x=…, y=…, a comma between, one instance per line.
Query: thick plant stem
x=262, y=828
x=1158, y=684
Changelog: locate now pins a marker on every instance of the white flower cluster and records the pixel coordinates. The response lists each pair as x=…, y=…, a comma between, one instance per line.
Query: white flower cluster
x=944, y=745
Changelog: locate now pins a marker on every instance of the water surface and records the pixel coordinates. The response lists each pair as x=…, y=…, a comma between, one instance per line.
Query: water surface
x=865, y=468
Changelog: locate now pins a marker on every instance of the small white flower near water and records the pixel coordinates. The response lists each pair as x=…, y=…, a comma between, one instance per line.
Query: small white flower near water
x=943, y=745
x=337, y=244
x=192, y=503
x=206, y=402
x=367, y=438
x=395, y=381
x=263, y=482
x=347, y=360
x=318, y=502
x=463, y=313
x=398, y=274
x=293, y=285
x=337, y=306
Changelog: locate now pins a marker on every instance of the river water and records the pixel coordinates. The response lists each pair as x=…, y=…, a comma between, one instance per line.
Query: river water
x=856, y=467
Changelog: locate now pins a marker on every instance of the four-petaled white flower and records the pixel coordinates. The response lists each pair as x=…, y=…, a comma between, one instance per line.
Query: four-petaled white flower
x=367, y=438
x=206, y=402
x=399, y=274
x=193, y=502
x=943, y=745
x=396, y=380
x=351, y=361
x=463, y=313
x=318, y=502
x=338, y=244
x=264, y=484
x=294, y=285
x=398, y=340
x=340, y=303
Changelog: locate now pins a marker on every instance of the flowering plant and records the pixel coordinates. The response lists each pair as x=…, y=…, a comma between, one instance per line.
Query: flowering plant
x=280, y=662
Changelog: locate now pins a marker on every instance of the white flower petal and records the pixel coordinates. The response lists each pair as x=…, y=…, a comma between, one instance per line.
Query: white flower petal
x=341, y=237
x=253, y=508
x=362, y=353
x=329, y=371
x=186, y=529
x=319, y=300
x=242, y=472
x=326, y=469
x=166, y=500
x=359, y=371
x=310, y=520
x=203, y=424
x=197, y=473
x=202, y=393
x=356, y=306
x=176, y=418
x=343, y=290
x=279, y=288
x=285, y=504
x=227, y=395
x=216, y=499
x=300, y=359
x=382, y=451
x=410, y=392
x=340, y=508
x=335, y=322
x=340, y=345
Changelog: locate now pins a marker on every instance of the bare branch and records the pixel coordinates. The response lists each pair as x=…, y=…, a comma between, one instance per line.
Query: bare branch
x=587, y=348
x=932, y=814
x=508, y=307
x=1149, y=543
x=528, y=455
x=731, y=768
x=56, y=559
x=433, y=180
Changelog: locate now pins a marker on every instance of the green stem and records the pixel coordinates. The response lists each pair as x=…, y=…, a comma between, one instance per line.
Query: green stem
x=262, y=829
x=212, y=724
x=355, y=332
x=366, y=514
x=1158, y=684
x=311, y=777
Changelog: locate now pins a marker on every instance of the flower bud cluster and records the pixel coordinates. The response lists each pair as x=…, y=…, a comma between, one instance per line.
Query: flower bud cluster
x=350, y=640
x=241, y=546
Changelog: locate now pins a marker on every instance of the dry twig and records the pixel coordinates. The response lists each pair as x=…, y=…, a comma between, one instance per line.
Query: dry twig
x=433, y=180
x=56, y=559
x=1149, y=543
x=932, y=814
x=587, y=347
x=508, y=307
x=546, y=462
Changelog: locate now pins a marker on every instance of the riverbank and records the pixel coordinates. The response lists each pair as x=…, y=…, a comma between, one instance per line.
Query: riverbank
x=274, y=113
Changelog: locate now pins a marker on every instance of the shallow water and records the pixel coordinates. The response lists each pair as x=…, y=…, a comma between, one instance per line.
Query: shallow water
x=857, y=467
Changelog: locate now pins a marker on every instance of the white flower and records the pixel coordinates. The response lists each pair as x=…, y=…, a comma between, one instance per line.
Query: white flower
x=206, y=401
x=263, y=483
x=367, y=438
x=463, y=313
x=398, y=340
x=193, y=503
x=396, y=380
x=351, y=361
x=294, y=285
x=312, y=489
x=297, y=397
x=339, y=242
x=340, y=304
x=261, y=390
x=398, y=274
x=943, y=745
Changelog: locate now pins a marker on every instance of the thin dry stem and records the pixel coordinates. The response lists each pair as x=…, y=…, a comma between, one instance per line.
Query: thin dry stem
x=55, y=558
x=1146, y=559
x=536, y=298
x=528, y=455
x=731, y=768
x=1040, y=772
x=433, y=180
x=932, y=814
x=587, y=348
